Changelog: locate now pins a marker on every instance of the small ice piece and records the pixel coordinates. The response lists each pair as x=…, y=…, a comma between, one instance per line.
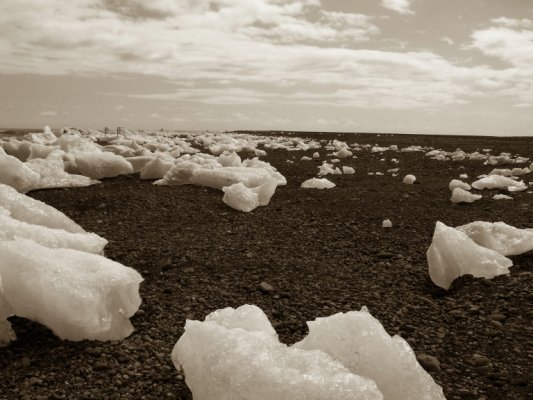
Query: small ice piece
x=379, y=173
x=502, y=172
x=305, y=158
x=387, y=223
x=361, y=344
x=502, y=197
x=55, y=238
x=462, y=196
x=32, y=211
x=98, y=165
x=452, y=254
x=77, y=295
x=463, y=176
x=348, y=170
x=260, y=153
x=343, y=153
x=316, y=154
x=460, y=184
x=138, y=162
x=315, y=183
x=505, y=239
x=409, y=179
x=236, y=354
x=520, y=171
x=499, y=182
x=335, y=160
x=242, y=198
x=393, y=170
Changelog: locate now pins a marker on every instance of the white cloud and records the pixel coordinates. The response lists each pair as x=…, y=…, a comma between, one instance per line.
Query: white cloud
x=400, y=6
x=49, y=113
x=513, y=23
x=119, y=107
x=447, y=40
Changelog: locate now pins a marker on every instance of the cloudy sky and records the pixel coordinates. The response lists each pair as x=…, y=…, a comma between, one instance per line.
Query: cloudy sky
x=414, y=66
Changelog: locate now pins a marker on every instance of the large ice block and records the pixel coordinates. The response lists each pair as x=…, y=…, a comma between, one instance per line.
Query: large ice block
x=499, y=182
x=505, y=239
x=98, y=165
x=77, y=295
x=16, y=174
x=452, y=254
x=235, y=354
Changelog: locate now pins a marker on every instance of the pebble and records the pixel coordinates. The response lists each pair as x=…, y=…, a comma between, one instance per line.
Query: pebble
x=429, y=363
x=266, y=287
x=479, y=360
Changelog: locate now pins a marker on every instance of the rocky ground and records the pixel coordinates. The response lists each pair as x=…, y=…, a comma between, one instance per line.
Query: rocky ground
x=323, y=251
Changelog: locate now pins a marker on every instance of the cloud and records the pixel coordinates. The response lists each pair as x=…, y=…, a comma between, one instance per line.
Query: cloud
x=447, y=40
x=49, y=113
x=400, y=6
x=119, y=107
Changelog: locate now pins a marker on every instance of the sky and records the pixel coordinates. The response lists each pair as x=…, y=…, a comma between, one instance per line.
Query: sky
x=406, y=66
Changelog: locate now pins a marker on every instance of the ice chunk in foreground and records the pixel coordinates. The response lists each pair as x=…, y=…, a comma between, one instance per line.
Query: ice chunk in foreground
x=32, y=211
x=15, y=173
x=12, y=228
x=157, y=168
x=98, y=165
x=505, y=239
x=77, y=295
x=361, y=344
x=235, y=354
x=387, y=223
x=460, y=184
x=409, y=179
x=462, y=196
x=499, y=182
x=247, y=199
x=452, y=254
x=315, y=183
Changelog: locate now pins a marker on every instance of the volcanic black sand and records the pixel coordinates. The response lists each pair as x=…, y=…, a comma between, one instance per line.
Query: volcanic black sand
x=323, y=251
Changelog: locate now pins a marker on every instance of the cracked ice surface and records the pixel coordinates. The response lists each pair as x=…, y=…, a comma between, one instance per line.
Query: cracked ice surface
x=77, y=295
x=452, y=254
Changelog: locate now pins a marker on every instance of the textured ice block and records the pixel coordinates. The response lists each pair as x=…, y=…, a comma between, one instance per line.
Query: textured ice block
x=77, y=295
x=452, y=254
x=315, y=183
x=98, y=165
x=235, y=354
x=409, y=179
x=460, y=184
x=505, y=239
x=460, y=195
x=361, y=344
x=138, y=162
x=157, y=168
x=11, y=228
x=240, y=197
x=32, y=211
x=499, y=182
x=16, y=174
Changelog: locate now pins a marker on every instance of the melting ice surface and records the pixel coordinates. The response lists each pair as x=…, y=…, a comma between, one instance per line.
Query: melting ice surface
x=236, y=354
x=77, y=295
x=452, y=254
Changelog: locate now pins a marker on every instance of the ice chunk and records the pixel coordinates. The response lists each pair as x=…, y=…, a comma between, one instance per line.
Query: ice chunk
x=452, y=254
x=55, y=238
x=15, y=173
x=157, y=168
x=348, y=170
x=499, y=182
x=505, y=239
x=266, y=191
x=305, y=158
x=240, y=197
x=315, y=183
x=98, y=165
x=502, y=197
x=462, y=196
x=343, y=153
x=386, y=223
x=77, y=295
x=463, y=176
x=361, y=344
x=409, y=179
x=138, y=162
x=235, y=354
x=520, y=171
x=32, y=211
x=260, y=153
x=460, y=184
x=316, y=154
x=502, y=172
x=231, y=160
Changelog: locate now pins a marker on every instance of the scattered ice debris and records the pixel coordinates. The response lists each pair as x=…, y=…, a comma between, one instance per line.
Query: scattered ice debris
x=348, y=170
x=359, y=342
x=335, y=160
x=77, y=295
x=315, y=183
x=409, y=179
x=326, y=169
x=462, y=196
x=502, y=172
x=305, y=158
x=505, y=239
x=499, y=182
x=463, y=176
x=12, y=228
x=393, y=170
x=387, y=223
x=395, y=161
x=502, y=197
x=343, y=153
x=452, y=254
x=379, y=173
x=316, y=154
x=24, y=208
x=260, y=153
x=341, y=359
x=460, y=184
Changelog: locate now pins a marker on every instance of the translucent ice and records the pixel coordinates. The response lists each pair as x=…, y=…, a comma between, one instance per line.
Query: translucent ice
x=315, y=183
x=361, y=344
x=460, y=195
x=32, y=211
x=15, y=173
x=98, y=165
x=499, y=182
x=452, y=254
x=409, y=179
x=505, y=239
x=235, y=354
x=242, y=198
x=157, y=168
x=77, y=295
x=12, y=228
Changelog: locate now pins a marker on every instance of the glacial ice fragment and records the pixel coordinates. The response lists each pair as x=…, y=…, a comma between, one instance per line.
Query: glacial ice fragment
x=409, y=179
x=359, y=342
x=499, y=182
x=386, y=223
x=460, y=184
x=77, y=295
x=235, y=354
x=315, y=183
x=460, y=195
x=452, y=254
x=505, y=239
